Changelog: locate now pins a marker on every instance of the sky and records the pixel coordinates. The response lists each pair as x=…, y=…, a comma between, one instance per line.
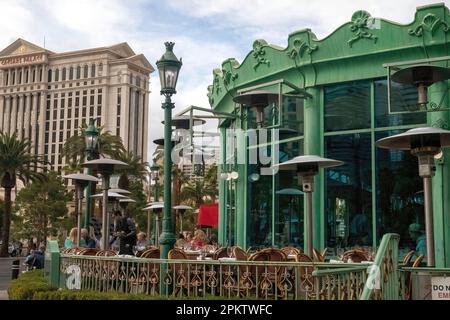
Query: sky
x=205, y=32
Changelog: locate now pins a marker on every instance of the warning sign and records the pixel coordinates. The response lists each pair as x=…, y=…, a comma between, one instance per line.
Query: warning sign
x=440, y=288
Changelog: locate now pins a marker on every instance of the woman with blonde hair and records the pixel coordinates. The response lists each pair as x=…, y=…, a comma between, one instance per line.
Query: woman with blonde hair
x=71, y=240
x=199, y=239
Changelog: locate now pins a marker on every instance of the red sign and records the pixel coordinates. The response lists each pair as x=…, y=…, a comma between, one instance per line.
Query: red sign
x=208, y=215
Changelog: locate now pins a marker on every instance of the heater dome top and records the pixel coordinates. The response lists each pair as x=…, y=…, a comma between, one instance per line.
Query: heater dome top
x=421, y=74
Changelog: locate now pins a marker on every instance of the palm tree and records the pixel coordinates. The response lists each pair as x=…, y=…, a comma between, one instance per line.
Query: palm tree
x=211, y=182
x=136, y=168
x=15, y=162
x=195, y=192
x=75, y=147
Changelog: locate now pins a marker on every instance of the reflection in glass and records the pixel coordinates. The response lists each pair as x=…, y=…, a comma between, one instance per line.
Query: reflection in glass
x=403, y=98
x=399, y=192
x=347, y=106
x=288, y=200
x=348, y=193
x=259, y=199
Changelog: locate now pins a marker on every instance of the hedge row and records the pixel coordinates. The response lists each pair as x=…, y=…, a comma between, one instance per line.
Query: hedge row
x=32, y=285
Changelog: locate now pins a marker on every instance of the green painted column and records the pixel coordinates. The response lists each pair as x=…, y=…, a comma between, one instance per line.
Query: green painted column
x=441, y=181
x=222, y=191
x=240, y=186
x=312, y=146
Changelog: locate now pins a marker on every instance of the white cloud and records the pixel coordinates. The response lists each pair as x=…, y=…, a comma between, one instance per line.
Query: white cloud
x=285, y=16
x=207, y=32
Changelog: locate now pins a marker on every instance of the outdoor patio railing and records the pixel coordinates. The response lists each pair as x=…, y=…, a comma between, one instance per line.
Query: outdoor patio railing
x=383, y=279
x=203, y=278
x=340, y=284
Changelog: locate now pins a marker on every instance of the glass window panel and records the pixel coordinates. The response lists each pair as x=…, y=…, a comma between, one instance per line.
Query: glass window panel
x=402, y=98
x=288, y=200
x=347, y=106
x=399, y=193
x=348, y=193
x=259, y=221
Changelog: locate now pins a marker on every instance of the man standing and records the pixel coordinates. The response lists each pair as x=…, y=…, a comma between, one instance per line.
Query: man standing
x=125, y=232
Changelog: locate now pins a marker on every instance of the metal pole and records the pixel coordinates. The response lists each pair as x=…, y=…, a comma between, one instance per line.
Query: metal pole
x=181, y=222
x=87, y=216
x=167, y=237
x=428, y=195
x=309, y=229
x=148, y=224
x=80, y=210
x=105, y=226
x=157, y=230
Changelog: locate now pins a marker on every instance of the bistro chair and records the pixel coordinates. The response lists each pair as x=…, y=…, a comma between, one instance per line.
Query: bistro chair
x=88, y=252
x=355, y=255
x=106, y=253
x=409, y=277
x=178, y=271
x=408, y=257
x=319, y=256
x=291, y=250
x=220, y=253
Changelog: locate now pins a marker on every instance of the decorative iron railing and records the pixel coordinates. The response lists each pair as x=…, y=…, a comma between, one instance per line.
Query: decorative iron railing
x=340, y=284
x=383, y=277
x=203, y=278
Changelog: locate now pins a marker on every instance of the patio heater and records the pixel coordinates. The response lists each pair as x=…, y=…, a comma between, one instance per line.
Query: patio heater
x=112, y=196
x=105, y=167
x=421, y=76
x=181, y=210
x=258, y=99
x=123, y=203
x=424, y=143
x=157, y=208
x=81, y=181
x=307, y=168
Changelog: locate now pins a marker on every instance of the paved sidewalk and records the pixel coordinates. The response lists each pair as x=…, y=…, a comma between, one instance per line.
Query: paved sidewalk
x=3, y=295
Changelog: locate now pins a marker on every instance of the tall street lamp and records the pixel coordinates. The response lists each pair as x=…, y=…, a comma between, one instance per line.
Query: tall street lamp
x=91, y=140
x=81, y=181
x=424, y=143
x=168, y=67
x=105, y=167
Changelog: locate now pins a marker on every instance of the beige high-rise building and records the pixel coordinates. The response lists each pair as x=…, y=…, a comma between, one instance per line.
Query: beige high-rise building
x=46, y=96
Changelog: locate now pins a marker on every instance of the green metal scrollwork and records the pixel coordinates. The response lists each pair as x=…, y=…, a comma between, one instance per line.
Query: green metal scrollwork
x=430, y=23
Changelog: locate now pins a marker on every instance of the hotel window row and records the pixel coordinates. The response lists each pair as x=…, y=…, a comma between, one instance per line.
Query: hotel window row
x=65, y=113
x=24, y=75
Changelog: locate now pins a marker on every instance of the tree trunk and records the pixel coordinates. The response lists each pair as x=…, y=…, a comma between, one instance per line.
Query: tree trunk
x=6, y=224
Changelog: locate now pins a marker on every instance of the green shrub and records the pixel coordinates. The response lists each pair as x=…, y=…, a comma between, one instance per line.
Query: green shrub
x=27, y=285
x=33, y=286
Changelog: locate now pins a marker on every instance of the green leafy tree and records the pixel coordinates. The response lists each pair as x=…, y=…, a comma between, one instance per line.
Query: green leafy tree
x=211, y=182
x=136, y=170
x=196, y=192
x=43, y=207
x=75, y=147
x=16, y=162
x=135, y=209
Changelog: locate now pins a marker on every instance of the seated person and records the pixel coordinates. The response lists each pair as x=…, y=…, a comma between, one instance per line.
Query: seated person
x=87, y=240
x=199, y=239
x=142, y=241
x=181, y=242
x=36, y=258
x=417, y=234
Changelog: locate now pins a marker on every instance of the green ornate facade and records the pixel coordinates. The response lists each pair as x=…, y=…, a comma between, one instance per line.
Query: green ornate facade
x=345, y=112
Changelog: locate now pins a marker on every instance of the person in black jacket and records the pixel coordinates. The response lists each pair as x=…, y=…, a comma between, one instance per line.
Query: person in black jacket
x=125, y=231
